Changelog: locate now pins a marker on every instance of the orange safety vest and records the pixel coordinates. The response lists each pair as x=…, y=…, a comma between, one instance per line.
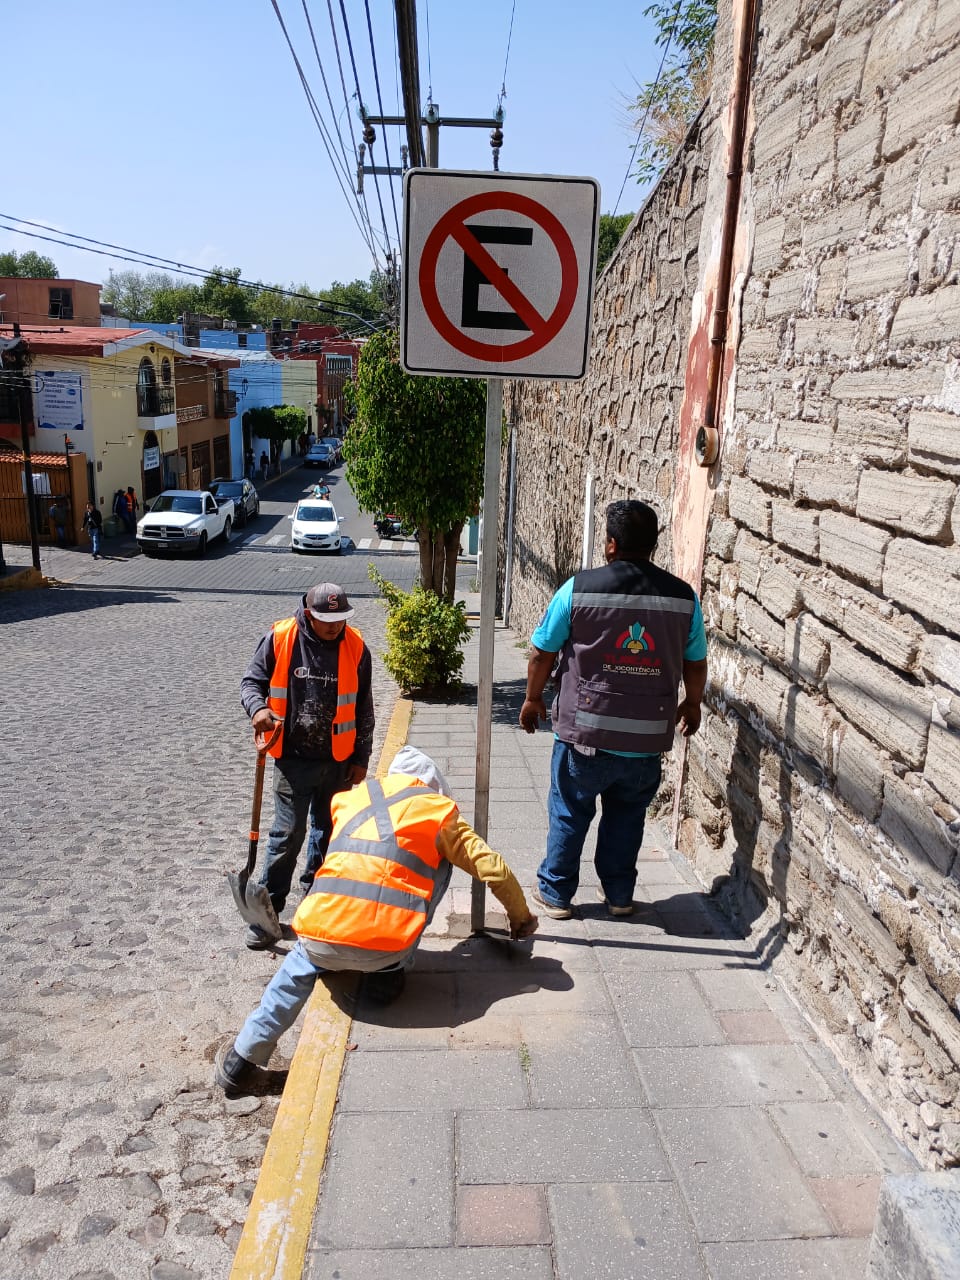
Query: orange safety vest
x=348, y=684
x=373, y=889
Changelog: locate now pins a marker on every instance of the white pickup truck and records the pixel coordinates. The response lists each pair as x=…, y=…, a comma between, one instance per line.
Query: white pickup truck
x=185, y=519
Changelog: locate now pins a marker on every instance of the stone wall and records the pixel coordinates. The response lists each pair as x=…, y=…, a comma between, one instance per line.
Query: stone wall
x=822, y=801
x=620, y=422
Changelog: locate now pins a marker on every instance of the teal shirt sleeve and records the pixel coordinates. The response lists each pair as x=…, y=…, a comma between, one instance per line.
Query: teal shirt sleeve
x=553, y=630
x=696, y=649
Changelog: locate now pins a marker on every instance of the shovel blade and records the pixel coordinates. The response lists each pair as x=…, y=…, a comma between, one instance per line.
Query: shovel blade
x=253, y=903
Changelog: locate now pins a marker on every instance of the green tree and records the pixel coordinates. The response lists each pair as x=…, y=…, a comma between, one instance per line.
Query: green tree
x=28, y=266
x=416, y=448
x=132, y=293
x=665, y=107
x=611, y=232
x=278, y=423
x=167, y=305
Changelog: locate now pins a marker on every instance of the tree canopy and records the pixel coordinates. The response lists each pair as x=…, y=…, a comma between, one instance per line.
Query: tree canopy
x=162, y=298
x=415, y=449
x=611, y=232
x=664, y=108
x=28, y=266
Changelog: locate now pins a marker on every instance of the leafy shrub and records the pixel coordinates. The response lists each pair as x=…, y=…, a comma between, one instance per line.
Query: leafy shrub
x=425, y=636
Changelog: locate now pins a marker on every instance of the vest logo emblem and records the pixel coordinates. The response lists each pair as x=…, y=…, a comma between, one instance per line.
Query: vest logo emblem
x=636, y=639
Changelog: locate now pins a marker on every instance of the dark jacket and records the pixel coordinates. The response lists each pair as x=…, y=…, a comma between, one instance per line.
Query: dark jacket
x=312, y=694
x=92, y=519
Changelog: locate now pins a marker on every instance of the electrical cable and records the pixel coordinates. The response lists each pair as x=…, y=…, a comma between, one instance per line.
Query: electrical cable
x=356, y=80
x=321, y=127
x=503, y=84
x=426, y=6
x=150, y=260
x=643, y=122
x=326, y=87
x=386, y=145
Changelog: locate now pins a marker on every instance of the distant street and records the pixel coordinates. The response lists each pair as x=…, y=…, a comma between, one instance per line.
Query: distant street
x=127, y=777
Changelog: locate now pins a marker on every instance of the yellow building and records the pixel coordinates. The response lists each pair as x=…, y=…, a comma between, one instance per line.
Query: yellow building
x=144, y=409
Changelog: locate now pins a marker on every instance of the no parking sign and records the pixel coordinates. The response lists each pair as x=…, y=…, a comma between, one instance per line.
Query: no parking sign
x=497, y=273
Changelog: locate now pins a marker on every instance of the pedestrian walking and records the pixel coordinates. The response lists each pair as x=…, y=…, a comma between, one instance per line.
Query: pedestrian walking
x=264, y=464
x=58, y=521
x=248, y=464
x=93, y=524
x=312, y=672
x=626, y=635
x=395, y=844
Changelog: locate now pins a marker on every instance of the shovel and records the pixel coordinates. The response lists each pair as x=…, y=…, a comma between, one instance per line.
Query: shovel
x=253, y=900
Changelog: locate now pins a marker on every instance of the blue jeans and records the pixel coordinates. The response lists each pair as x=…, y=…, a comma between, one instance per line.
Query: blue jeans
x=625, y=786
x=290, y=987
x=95, y=540
x=302, y=789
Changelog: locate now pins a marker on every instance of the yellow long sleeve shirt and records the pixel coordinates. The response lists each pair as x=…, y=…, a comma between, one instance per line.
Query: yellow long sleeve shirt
x=460, y=844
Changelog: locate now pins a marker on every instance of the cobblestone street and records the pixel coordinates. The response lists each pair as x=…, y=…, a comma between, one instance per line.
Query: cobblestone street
x=128, y=772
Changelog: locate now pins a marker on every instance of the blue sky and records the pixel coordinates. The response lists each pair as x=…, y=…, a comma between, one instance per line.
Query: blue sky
x=182, y=130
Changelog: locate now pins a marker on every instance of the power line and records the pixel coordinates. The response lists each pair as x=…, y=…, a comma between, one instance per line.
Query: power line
x=426, y=7
x=503, y=84
x=368, y=130
x=643, y=122
x=150, y=260
x=311, y=101
x=376, y=81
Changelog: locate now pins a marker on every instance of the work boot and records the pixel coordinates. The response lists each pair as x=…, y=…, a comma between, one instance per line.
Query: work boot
x=384, y=986
x=257, y=939
x=231, y=1072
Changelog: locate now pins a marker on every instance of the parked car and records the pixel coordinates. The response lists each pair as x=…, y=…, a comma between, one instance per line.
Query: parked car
x=319, y=455
x=184, y=520
x=336, y=444
x=315, y=527
x=244, y=495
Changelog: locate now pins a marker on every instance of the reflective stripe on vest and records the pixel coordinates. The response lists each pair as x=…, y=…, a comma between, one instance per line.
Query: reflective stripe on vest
x=350, y=650
x=374, y=888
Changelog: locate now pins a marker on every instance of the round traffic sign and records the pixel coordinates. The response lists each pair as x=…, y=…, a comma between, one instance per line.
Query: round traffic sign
x=543, y=329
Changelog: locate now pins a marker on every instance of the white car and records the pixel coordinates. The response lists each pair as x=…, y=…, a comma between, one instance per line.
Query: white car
x=316, y=527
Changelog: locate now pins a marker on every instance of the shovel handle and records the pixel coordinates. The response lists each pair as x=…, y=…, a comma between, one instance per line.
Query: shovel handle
x=264, y=743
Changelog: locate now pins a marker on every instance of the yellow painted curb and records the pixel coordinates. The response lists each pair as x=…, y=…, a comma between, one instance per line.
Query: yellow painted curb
x=275, y=1236
x=22, y=580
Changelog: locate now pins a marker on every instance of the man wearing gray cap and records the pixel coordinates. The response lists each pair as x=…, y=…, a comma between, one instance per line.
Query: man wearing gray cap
x=311, y=674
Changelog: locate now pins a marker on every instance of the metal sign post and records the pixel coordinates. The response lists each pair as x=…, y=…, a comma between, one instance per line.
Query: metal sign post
x=498, y=276
x=488, y=607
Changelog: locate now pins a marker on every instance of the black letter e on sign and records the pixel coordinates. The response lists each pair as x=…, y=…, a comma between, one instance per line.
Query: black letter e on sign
x=471, y=316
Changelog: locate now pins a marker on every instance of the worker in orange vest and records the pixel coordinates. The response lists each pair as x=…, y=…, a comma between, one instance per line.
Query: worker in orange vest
x=312, y=673
x=395, y=843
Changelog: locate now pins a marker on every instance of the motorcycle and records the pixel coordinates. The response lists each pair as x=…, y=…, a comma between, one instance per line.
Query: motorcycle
x=391, y=526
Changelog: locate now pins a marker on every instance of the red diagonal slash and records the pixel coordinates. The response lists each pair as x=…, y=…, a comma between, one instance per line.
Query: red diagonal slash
x=452, y=226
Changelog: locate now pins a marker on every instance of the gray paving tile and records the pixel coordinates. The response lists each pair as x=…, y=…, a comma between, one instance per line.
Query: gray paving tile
x=418, y=1020
x=389, y=1182
x=811, y=1259
x=544, y=987
x=656, y=950
x=624, y=1231
x=667, y=1010
x=733, y=989
x=579, y=1060
x=823, y=1139
x=737, y=1177
x=729, y=1075
x=618, y=1145
x=415, y=1080
x=522, y=1263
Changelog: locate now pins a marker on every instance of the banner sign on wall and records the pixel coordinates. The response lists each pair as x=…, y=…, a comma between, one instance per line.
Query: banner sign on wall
x=151, y=458
x=59, y=400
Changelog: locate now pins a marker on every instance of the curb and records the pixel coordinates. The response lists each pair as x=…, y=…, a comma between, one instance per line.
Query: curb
x=23, y=580
x=273, y=1245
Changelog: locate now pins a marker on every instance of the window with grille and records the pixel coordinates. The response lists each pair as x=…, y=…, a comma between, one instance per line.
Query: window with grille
x=61, y=304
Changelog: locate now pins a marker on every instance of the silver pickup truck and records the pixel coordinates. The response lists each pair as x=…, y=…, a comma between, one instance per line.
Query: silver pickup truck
x=185, y=519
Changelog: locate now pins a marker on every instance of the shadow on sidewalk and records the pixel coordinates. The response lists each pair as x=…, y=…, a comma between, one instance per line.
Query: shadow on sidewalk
x=451, y=1003
x=508, y=698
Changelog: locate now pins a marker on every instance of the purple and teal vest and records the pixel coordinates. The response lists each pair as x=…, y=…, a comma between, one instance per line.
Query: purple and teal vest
x=618, y=675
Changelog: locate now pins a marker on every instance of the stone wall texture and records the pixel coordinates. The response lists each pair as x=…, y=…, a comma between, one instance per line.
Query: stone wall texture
x=821, y=800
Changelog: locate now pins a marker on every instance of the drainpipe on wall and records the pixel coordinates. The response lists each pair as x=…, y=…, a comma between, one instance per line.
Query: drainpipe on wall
x=511, y=506
x=586, y=551
x=708, y=436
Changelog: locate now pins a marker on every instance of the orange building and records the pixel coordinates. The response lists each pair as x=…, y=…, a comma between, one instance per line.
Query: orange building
x=37, y=302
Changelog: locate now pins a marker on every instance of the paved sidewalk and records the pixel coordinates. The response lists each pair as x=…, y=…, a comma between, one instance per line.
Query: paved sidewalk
x=627, y=1099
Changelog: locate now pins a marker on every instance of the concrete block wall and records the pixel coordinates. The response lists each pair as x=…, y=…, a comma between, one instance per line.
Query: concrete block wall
x=822, y=800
